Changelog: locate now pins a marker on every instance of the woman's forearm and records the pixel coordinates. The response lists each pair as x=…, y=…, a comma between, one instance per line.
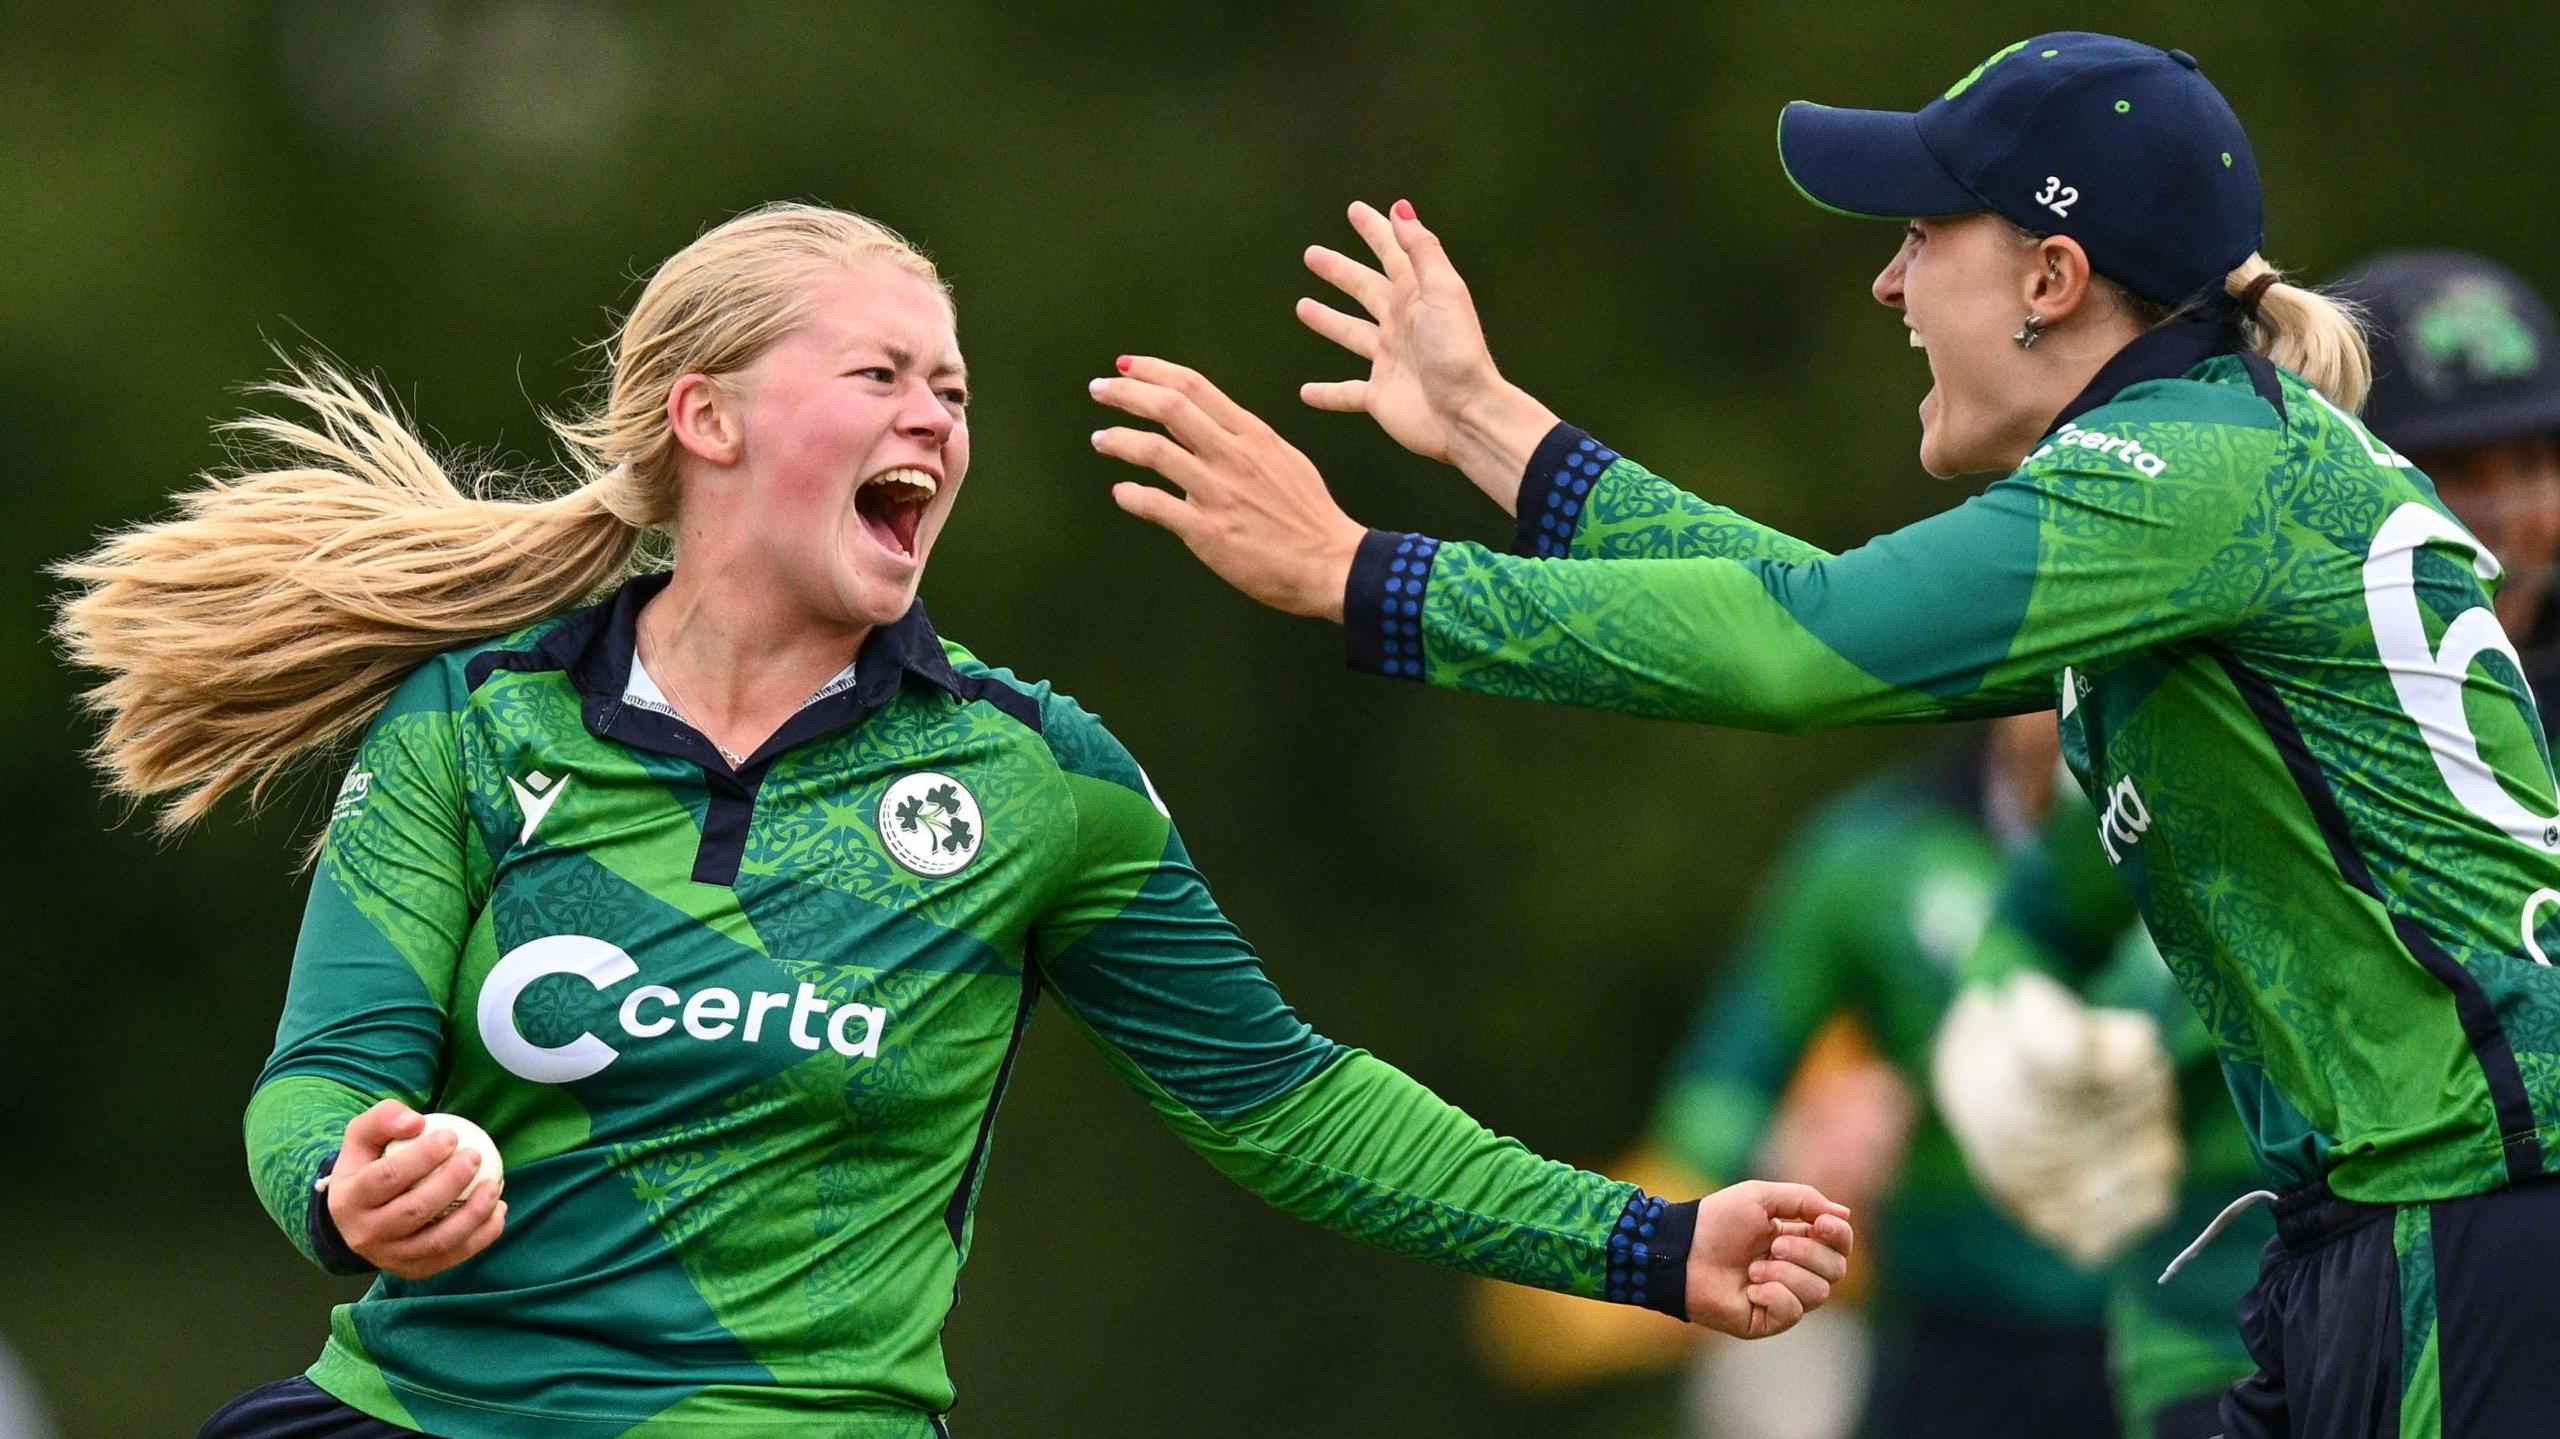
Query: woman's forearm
x=1493, y=437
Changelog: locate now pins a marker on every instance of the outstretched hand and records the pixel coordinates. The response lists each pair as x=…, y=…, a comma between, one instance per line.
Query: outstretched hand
x=1432, y=385
x=1764, y=1256
x=1251, y=506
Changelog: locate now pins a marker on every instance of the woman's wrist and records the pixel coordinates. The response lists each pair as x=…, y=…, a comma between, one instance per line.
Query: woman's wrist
x=1329, y=571
x=1494, y=436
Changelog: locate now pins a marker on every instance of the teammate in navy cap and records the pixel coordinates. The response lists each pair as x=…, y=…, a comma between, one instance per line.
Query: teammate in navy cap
x=2279, y=678
x=2466, y=383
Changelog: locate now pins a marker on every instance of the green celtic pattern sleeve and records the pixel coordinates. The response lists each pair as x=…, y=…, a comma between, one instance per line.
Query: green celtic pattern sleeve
x=1178, y=1002
x=372, y=972
x=2080, y=556
x=1578, y=502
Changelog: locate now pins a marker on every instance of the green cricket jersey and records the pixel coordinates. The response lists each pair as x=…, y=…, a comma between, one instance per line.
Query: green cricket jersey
x=740, y=1036
x=2317, y=766
x=1870, y=911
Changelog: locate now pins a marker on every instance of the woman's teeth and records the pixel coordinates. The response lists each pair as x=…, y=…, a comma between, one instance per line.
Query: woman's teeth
x=902, y=480
x=892, y=504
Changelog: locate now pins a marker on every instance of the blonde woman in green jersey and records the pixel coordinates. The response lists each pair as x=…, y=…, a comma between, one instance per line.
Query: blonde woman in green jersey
x=2314, y=760
x=724, y=903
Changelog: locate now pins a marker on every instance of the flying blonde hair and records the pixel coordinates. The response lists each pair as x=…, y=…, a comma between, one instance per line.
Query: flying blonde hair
x=276, y=612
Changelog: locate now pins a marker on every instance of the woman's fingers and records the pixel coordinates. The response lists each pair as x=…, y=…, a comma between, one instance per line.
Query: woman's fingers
x=412, y=1210
x=379, y=1182
x=1198, y=388
x=368, y=1132
x=1382, y=237
x=1809, y=1288
x=1253, y=508
x=1805, y=1252
x=1358, y=336
x=1418, y=245
x=1157, y=507
x=1350, y=397
x=1150, y=451
x=451, y=1239
x=1833, y=1233
x=1181, y=416
x=1229, y=417
x=424, y=1202
x=1775, y=1309
x=1800, y=1202
x=1364, y=285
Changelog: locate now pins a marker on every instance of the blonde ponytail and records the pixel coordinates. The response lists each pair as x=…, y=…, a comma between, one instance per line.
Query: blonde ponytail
x=281, y=607
x=2311, y=334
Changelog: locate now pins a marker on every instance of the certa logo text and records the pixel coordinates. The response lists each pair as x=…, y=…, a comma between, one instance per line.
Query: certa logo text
x=808, y=1019
x=2122, y=447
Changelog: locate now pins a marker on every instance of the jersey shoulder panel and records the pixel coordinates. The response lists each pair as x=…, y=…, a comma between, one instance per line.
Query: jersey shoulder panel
x=1076, y=738
x=445, y=680
x=2217, y=392
x=2183, y=430
x=529, y=648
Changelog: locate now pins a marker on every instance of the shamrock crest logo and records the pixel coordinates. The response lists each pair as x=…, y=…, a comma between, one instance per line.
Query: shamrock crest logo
x=930, y=823
x=2472, y=329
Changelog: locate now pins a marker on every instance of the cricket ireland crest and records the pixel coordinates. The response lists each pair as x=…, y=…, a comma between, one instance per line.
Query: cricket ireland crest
x=930, y=823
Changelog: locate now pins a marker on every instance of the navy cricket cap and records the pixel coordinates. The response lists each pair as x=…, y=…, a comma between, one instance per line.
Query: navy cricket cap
x=2464, y=352
x=2125, y=148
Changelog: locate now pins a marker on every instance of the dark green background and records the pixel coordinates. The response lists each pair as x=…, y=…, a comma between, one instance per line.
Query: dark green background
x=1516, y=905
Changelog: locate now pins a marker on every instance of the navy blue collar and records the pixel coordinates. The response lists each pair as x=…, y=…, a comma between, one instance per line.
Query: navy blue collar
x=601, y=663
x=595, y=649
x=2163, y=352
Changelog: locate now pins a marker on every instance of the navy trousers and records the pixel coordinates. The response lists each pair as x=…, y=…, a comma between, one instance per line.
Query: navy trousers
x=295, y=1408
x=2409, y=1321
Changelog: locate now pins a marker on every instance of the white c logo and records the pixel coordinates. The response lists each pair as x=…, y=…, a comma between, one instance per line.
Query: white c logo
x=2533, y=903
x=2429, y=678
x=594, y=960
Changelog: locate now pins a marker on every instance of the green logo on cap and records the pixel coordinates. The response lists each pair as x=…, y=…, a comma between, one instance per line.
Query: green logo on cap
x=2470, y=326
x=1997, y=56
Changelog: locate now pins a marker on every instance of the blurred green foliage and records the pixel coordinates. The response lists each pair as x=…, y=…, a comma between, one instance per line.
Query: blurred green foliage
x=1514, y=904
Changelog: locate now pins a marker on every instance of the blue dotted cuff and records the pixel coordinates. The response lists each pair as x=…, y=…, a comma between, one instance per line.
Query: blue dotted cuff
x=1382, y=605
x=322, y=1230
x=1649, y=1255
x=1559, y=480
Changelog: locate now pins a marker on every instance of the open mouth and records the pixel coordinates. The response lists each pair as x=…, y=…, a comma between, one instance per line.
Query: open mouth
x=1923, y=347
x=891, y=506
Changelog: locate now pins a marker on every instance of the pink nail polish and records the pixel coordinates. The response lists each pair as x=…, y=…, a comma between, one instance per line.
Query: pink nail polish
x=1404, y=209
x=1123, y=364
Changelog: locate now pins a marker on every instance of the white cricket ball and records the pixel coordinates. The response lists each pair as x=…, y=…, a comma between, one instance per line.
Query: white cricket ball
x=466, y=1135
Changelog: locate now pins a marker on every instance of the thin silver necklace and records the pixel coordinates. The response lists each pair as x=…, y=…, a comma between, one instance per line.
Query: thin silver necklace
x=667, y=684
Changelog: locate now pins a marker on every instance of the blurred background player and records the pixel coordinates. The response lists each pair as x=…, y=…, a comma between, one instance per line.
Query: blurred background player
x=2087, y=1100
x=2466, y=383
x=1856, y=943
